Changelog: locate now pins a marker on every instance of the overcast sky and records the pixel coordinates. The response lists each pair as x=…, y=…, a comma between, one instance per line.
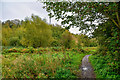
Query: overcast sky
x=19, y=9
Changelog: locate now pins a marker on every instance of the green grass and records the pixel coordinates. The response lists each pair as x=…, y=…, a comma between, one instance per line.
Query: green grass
x=89, y=48
x=105, y=66
x=53, y=63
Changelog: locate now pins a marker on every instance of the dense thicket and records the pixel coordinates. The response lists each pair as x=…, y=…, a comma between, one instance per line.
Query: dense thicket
x=57, y=32
x=35, y=32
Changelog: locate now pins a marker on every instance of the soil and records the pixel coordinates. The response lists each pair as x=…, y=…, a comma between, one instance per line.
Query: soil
x=86, y=68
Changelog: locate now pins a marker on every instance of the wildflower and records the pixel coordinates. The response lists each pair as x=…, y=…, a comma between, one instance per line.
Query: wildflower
x=15, y=51
x=47, y=75
x=108, y=63
x=24, y=49
x=35, y=63
x=36, y=68
x=39, y=74
x=10, y=49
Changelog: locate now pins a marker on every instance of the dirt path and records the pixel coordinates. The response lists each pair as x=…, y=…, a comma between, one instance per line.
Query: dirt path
x=86, y=68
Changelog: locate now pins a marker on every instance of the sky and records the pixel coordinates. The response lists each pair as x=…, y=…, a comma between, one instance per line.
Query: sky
x=19, y=9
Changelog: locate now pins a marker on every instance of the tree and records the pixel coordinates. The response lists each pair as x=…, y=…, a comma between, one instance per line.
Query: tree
x=11, y=23
x=108, y=36
x=6, y=34
x=37, y=32
x=67, y=40
x=104, y=13
x=83, y=12
x=57, y=32
x=83, y=41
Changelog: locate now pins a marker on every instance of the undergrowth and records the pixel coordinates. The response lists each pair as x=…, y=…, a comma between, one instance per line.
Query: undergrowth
x=49, y=64
x=105, y=66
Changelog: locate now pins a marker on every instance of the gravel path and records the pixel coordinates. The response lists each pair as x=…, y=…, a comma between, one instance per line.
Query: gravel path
x=86, y=68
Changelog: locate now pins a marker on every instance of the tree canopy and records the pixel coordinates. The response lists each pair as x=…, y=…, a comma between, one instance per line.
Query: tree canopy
x=82, y=12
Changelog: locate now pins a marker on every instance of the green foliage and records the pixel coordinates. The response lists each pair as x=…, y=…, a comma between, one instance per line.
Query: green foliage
x=11, y=36
x=83, y=12
x=27, y=50
x=108, y=37
x=38, y=33
x=73, y=44
x=34, y=32
x=53, y=65
x=31, y=32
x=55, y=43
x=106, y=14
x=6, y=34
x=11, y=23
x=105, y=66
x=67, y=40
x=57, y=32
x=93, y=42
x=14, y=41
x=64, y=73
x=83, y=41
x=0, y=33
x=0, y=38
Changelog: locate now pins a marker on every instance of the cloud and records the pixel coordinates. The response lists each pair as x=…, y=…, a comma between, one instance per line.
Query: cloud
x=0, y=10
x=18, y=0
x=19, y=10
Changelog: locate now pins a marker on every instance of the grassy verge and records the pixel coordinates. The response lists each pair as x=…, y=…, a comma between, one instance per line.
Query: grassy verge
x=105, y=66
x=90, y=48
x=49, y=64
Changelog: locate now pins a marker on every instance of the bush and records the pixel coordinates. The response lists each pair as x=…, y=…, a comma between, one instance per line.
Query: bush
x=68, y=40
x=105, y=66
x=55, y=43
x=14, y=41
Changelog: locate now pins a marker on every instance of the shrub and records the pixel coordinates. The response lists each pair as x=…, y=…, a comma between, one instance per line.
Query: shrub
x=14, y=41
x=55, y=43
x=105, y=66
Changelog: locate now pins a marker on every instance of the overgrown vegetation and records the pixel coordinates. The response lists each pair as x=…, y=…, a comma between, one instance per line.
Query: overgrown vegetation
x=105, y=66
x=34, y=49
x=41, y=63
x=32, y=34
x=107, y=32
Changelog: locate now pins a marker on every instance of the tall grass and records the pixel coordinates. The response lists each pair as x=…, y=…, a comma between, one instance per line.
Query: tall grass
x=53, y=64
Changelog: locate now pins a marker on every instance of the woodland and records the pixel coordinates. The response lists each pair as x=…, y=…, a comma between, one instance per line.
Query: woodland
x=33, y=48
